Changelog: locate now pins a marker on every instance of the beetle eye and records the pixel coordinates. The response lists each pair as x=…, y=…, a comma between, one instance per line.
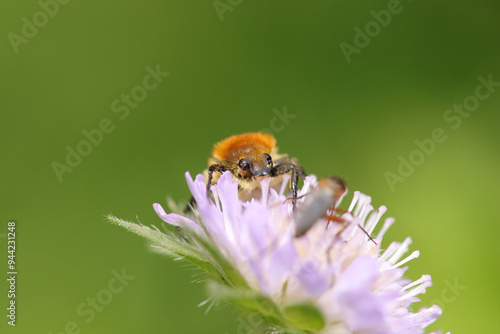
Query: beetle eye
x=268, y=159
x=244, y=164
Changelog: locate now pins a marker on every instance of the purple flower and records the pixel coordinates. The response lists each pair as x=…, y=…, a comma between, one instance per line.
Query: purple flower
x=335, y=269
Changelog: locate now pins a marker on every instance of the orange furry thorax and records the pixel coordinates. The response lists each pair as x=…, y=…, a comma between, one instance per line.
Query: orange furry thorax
x=251, y=145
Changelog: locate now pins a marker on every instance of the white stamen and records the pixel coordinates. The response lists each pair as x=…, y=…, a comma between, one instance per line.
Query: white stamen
x=387, y=223
x=422, y=279
x=417, y=290
x=390, y=250
x=427, y=316
x=284, y=184
x=355, y=199
x=364, y=201
x=412, y=256
x=368, y=210
x=402, y=249
x=374, y=219
x=309, y=182
x=369, y=221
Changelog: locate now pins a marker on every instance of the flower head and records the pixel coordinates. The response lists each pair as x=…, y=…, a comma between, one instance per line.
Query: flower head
x=333, y=279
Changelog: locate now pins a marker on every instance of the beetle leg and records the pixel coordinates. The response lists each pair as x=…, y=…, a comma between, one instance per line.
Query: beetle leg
x=292, y=198
x=214, y=168
x=190, y=205
x=297, y=172
x=333, y=219
x=337, y=219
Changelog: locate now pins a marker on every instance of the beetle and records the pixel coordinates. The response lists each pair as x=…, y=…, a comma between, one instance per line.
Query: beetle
x=323, y=197
x=322, y=202
x=251, y=157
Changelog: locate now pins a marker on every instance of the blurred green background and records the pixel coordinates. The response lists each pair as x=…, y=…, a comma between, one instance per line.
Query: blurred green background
x=232, y=72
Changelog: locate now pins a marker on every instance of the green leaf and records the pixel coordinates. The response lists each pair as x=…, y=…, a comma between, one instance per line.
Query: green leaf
x=171, y=245
x=232, y=275
x=250, y=302
x=305, y=317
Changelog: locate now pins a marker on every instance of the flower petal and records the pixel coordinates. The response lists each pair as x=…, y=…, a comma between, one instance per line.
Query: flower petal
x=177, y=220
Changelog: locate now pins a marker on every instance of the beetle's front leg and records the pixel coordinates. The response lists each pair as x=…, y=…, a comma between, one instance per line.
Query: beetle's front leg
x=297, y=172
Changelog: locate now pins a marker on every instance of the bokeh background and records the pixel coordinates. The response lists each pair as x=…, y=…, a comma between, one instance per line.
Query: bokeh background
x=232, y=70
